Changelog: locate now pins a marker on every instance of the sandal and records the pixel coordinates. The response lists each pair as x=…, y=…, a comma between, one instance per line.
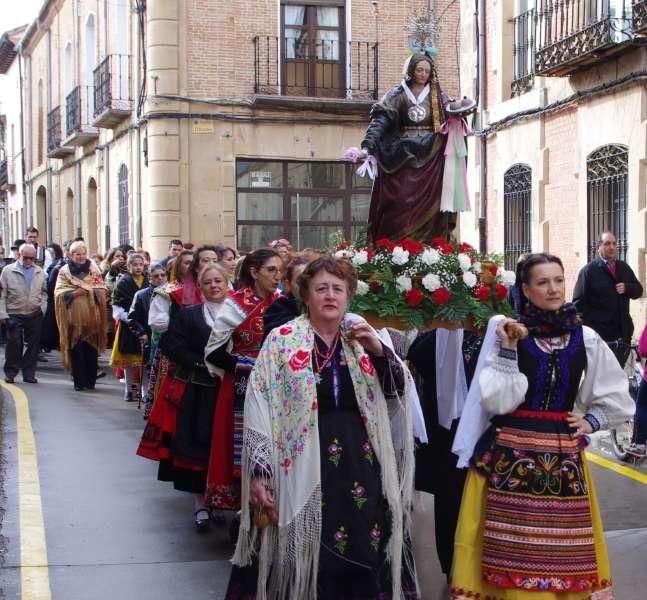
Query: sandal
x=201, y=519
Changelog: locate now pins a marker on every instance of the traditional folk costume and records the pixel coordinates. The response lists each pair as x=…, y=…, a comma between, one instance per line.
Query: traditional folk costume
x=167, y=300
x=240, y=321
x=529, y=524
x=180, y=435
x=81, y=320
x=159, y=407
x=328, y=427
x=126, y=350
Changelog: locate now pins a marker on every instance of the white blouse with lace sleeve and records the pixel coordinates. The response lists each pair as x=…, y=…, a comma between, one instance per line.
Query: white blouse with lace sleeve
x=503, y=387
x=159, y=313
x=604, y=391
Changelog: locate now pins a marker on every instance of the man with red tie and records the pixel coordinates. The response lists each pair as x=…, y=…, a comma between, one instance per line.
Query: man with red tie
x=602, y=293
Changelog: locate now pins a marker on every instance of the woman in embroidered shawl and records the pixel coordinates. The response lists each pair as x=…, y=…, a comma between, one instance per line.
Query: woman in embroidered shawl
x=529, y=524
x=406, y=137
x=327, y=457
x=127, y=349
x=80, y=298
x=240, y=322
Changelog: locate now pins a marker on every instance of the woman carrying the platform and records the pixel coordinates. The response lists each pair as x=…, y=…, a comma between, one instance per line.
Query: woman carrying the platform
x=241, y=322
x=80, y=298
x=327, y=457
x=529, y=524
x=127, y=348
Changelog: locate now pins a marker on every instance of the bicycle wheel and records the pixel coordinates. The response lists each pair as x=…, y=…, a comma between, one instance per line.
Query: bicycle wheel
x=621, y=439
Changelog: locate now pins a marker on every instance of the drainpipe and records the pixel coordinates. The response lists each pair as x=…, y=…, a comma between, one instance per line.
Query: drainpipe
x=106, y=196
x=480, y=10
x=49, y=199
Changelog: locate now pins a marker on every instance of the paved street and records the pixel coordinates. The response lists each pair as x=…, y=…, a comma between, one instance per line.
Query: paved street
x=113, y=531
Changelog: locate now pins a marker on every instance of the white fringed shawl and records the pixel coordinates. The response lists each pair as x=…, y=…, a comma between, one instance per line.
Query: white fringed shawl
x=281, y=442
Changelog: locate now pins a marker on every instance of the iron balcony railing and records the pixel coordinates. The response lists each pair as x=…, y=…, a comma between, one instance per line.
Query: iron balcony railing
x=4, y=173
x=639, y=14
x=112, y=84
x=54, y=129
x=570, y=31
x=524, y=27
x=322, y=69
x=79, y=109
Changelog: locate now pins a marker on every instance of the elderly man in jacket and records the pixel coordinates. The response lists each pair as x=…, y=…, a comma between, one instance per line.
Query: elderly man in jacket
x=23, y=302
x=602, y=293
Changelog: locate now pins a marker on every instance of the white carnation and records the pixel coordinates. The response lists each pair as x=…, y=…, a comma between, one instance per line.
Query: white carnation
x=464, y=261
x=360, y=258
x=362, y=288
x=400, y=256
x=430, y=256
x=508, y=278
x=476, y=267
x=469, y=279
x=403, y=283
x=342, y=254
x=431, y=281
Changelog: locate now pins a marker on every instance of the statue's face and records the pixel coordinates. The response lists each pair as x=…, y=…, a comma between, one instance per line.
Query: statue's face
x=421, y=73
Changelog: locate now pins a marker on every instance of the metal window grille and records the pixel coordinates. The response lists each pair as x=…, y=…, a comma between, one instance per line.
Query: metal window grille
x=517, y=186
x=606, y=176
x=124, y=216
x=523, y=51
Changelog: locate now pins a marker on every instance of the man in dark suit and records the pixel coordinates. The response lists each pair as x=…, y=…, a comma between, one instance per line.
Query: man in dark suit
x=602, y=293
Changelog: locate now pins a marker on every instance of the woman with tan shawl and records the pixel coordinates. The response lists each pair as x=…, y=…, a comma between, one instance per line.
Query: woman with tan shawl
x=80, y=305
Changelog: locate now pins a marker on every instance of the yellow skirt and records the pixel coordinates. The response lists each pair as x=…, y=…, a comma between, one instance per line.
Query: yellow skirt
x=466, y=581
x=123, y=361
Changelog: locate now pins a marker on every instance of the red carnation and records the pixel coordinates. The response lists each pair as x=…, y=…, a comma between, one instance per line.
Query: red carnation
x=374, y=285
x=413, y=297
x=493, y=269
x=343, y=246
x=414, y=248
x=369, y=254
x=441, y=296
x=501, y=291
x=385, y=243
x=482, y=292
x=465, y=247
x=442, y=245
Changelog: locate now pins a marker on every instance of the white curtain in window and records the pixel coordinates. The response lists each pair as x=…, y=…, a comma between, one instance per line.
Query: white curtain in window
x=327, y=44
x=295, y=39
x=295, y=15
x=328, y=41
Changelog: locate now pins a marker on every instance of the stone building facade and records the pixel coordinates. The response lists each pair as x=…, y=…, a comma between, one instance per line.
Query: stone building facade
x=565, y=109
x=208, y=120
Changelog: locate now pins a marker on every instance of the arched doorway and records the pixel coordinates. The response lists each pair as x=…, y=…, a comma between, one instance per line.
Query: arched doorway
x=124, y=212
x=41, y=215
x=90, y=233
x=69, y=215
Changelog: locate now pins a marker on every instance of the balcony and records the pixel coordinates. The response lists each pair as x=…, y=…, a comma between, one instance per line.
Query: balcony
x=112, y=84
x=327, y=69
x=55, y=149
x=640, y=16
x=524, y=27
x=4, y=175
x=574, y=34
x=79, y=109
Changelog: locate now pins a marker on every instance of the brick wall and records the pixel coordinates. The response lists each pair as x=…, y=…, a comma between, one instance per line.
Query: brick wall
x=220, y=54
x=562, y=191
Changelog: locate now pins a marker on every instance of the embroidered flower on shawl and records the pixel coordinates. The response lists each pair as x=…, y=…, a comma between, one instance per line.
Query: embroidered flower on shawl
x=366, y=365
x=299, y=360
x=359, y=495
x=376, y=537
x=334, y=452
x=341, y=539
x=286, y=330
x=367, y=448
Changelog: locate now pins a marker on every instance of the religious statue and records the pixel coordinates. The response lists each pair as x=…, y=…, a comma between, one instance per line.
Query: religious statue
x=414, y=148
x=416, y=136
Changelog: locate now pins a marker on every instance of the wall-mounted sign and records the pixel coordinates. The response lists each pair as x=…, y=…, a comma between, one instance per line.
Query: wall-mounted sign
x=260, y=179
x=203, y=127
